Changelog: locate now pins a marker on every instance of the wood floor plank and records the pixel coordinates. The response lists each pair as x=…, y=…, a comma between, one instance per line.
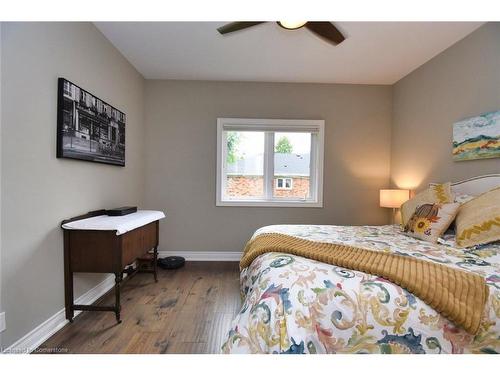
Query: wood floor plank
x=189, y=310
x=219, y=332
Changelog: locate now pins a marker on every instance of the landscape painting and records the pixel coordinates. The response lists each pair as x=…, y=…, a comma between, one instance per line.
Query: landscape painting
x=477, y=137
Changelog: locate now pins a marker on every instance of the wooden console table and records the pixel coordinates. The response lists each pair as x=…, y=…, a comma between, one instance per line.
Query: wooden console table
x=98, y=243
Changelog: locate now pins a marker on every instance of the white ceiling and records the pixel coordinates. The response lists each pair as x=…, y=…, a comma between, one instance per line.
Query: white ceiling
x=373, y=53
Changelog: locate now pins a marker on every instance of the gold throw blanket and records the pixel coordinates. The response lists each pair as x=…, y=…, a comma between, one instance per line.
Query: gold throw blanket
x=458, y=295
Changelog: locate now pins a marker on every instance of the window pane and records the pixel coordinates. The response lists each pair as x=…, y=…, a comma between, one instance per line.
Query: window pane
x=292, y=152
x=244, y=165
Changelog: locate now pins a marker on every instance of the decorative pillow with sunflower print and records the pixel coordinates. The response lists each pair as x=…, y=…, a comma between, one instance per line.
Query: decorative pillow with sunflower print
x=430, y=220
x=436, y=193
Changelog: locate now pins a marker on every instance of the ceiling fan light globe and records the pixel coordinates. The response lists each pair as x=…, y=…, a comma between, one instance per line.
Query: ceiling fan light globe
x=292, y=25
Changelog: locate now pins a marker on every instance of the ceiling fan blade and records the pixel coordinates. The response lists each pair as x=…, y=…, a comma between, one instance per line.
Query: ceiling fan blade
x=326, y=30
x=235, y=26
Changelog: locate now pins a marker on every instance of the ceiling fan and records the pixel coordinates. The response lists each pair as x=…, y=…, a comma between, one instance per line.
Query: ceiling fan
x=323, y=29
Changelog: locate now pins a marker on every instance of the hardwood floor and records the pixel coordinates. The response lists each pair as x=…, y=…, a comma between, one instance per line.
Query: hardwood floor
x=189, y=310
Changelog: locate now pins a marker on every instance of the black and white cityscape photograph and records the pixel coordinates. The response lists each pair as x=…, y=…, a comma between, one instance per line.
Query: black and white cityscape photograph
x=88, y=127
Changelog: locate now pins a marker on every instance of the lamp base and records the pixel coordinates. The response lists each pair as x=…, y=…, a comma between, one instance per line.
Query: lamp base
x=396, y=216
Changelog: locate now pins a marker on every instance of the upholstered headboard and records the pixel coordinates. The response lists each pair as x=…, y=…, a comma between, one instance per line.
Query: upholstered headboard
x=476, y=185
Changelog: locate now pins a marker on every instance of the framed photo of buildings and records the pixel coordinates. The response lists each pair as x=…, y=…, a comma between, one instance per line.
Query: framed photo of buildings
x=88, y=128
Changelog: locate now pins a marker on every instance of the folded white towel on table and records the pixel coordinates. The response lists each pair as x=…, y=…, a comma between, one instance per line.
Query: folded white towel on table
x=122, y=224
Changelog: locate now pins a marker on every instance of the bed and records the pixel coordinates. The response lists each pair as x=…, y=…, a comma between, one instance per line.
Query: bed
x=294, y=305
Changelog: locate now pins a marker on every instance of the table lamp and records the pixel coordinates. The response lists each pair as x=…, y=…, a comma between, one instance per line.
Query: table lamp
x=393, y=198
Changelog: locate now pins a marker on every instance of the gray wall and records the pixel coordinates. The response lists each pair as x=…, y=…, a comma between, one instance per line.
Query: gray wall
x=462, y=81
x=181, y=156
x=39, y=190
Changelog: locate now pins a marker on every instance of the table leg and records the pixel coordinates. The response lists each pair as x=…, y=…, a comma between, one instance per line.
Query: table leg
x=68, y=280
x=118, y=280
x=68, y=288
x=155, y=263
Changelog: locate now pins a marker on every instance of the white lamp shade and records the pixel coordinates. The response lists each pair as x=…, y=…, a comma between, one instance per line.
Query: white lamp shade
x=393, y=198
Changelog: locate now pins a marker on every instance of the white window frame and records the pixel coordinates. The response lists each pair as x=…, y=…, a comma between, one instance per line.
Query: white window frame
x=270, y=126
x=284, y=183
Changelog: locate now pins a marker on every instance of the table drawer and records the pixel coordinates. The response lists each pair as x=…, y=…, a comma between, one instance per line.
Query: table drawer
x=138, y=242
x=93, y=251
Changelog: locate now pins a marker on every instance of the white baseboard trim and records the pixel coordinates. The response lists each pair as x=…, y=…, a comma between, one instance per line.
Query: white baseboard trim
x=40, y=334
x=204, y=256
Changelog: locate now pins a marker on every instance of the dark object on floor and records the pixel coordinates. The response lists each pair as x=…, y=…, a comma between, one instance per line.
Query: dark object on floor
x=121, y=211
x=171, y=263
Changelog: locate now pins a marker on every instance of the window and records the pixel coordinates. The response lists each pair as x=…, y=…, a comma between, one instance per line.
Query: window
x=269, y=162
x=67, y=89
x=284, y=183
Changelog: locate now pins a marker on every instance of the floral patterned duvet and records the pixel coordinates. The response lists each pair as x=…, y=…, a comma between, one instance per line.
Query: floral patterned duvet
x=296, y=305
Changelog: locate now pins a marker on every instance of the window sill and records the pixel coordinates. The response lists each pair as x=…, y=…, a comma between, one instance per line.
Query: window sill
x=262, y=203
